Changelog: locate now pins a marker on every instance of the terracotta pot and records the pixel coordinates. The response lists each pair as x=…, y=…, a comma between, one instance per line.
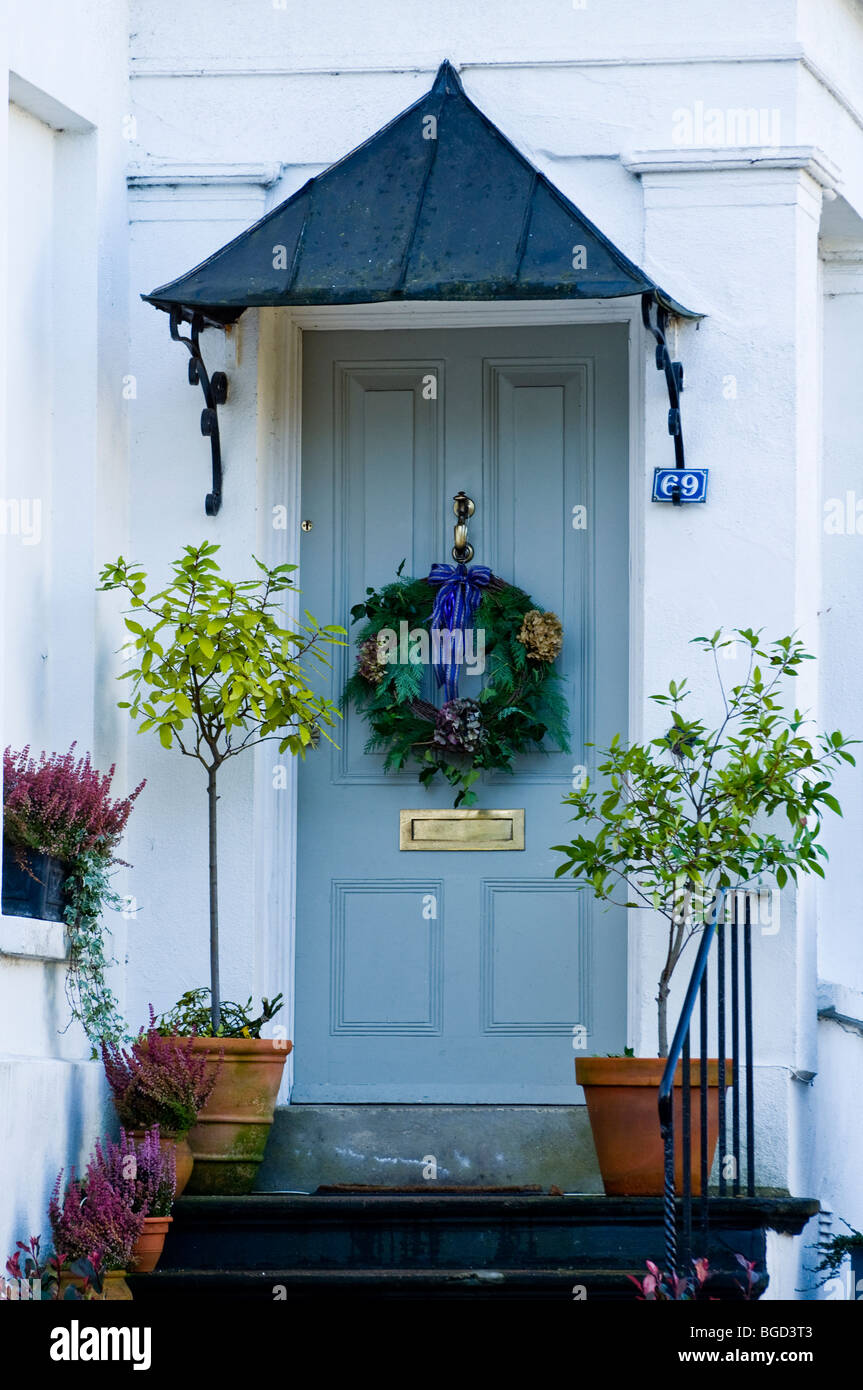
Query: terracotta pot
x=114, y=1286
x=622, y=1098
x=184, y=1159
x=147, y=1249
x=229, y=1139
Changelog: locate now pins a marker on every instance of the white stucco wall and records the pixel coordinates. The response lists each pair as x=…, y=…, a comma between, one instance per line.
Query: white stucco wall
x=65, y=352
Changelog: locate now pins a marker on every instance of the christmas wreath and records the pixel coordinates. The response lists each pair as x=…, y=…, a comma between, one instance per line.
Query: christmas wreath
x=457, y=617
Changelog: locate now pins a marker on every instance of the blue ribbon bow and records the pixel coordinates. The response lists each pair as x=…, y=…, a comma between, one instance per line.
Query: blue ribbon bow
x=455, y=604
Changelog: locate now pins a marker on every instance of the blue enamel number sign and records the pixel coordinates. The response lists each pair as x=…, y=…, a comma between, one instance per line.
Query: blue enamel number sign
x=679, y=484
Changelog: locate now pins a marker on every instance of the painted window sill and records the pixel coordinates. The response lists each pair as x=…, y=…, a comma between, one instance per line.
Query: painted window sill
x=32, y=939
x=839, y=1004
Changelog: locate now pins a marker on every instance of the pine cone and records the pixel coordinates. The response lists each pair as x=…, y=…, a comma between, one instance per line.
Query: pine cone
x=541, y=635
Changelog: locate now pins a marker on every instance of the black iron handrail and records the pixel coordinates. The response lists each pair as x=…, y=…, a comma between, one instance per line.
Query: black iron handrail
x=680, y=1053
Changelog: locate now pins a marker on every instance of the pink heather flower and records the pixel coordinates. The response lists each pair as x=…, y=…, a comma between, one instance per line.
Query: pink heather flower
x=95, y=1219
x=100, y=1216
x=140, y=1169
x=158, y=1081
x=60, y=805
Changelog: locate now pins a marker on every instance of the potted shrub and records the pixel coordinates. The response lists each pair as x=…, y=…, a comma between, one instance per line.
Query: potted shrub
x=61, y=827
x=163, y=1082
x=95, y=1226
x=230, y=1136
x=696, y=809
x=216, y=672
x=149, y=1167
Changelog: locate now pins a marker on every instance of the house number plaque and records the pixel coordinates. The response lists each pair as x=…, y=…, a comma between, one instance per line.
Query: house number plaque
x=461, y=830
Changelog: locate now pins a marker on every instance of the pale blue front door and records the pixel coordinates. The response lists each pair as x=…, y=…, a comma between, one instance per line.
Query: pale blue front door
x=460, y=976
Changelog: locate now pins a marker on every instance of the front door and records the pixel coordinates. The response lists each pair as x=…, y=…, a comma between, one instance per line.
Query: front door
x=440, y=975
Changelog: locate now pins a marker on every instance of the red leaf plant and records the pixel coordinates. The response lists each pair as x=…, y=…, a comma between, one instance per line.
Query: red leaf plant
x=658, y=1287
x=38, y=1278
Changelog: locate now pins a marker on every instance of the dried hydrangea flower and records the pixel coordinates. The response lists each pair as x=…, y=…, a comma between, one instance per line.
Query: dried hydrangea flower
x=371, y=663
x=541, y=635
x=458, y=726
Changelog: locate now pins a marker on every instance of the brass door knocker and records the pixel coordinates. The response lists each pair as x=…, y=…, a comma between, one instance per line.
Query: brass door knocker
x=464, y=508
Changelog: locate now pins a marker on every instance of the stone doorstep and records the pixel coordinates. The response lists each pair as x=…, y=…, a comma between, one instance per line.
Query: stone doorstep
x=482, y=1146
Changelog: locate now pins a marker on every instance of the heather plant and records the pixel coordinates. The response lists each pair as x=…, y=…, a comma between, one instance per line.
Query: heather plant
x=158, y=1080
x=62, y=806
x=93, y=1218
x=215, y=672
x=140, y=1169
x=156, y=1181
x=699, y=808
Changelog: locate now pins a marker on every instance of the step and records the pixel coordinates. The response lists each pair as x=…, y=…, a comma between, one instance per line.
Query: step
x=389, y=1145
x=243, y=1241
x=288, y=1285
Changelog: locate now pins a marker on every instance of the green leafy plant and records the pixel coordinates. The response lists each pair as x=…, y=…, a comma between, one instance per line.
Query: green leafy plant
x=702, y=808
x=89, y=893
x=191, y=1015
x=834, y=1249
x=215, y=672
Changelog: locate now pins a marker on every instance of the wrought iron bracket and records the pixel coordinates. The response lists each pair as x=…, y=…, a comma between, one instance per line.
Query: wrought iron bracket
x=215, y=389
x=673, y=380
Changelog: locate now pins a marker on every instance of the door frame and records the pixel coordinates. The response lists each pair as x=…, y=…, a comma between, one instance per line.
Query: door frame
x=279, y=451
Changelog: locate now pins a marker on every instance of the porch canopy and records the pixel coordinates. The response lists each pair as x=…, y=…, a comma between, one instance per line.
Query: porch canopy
x=438, y=205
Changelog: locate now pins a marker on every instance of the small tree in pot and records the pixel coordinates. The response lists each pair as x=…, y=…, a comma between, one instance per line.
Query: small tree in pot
x=700, y=808
x=216, y=672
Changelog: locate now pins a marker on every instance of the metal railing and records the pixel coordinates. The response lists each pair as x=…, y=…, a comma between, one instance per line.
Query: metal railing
x=733, y=967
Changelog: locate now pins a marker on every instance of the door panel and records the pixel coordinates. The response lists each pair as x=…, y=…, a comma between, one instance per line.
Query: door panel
x=459, y=976
x=388, y=451
x=376, y=920
x=539, y=467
